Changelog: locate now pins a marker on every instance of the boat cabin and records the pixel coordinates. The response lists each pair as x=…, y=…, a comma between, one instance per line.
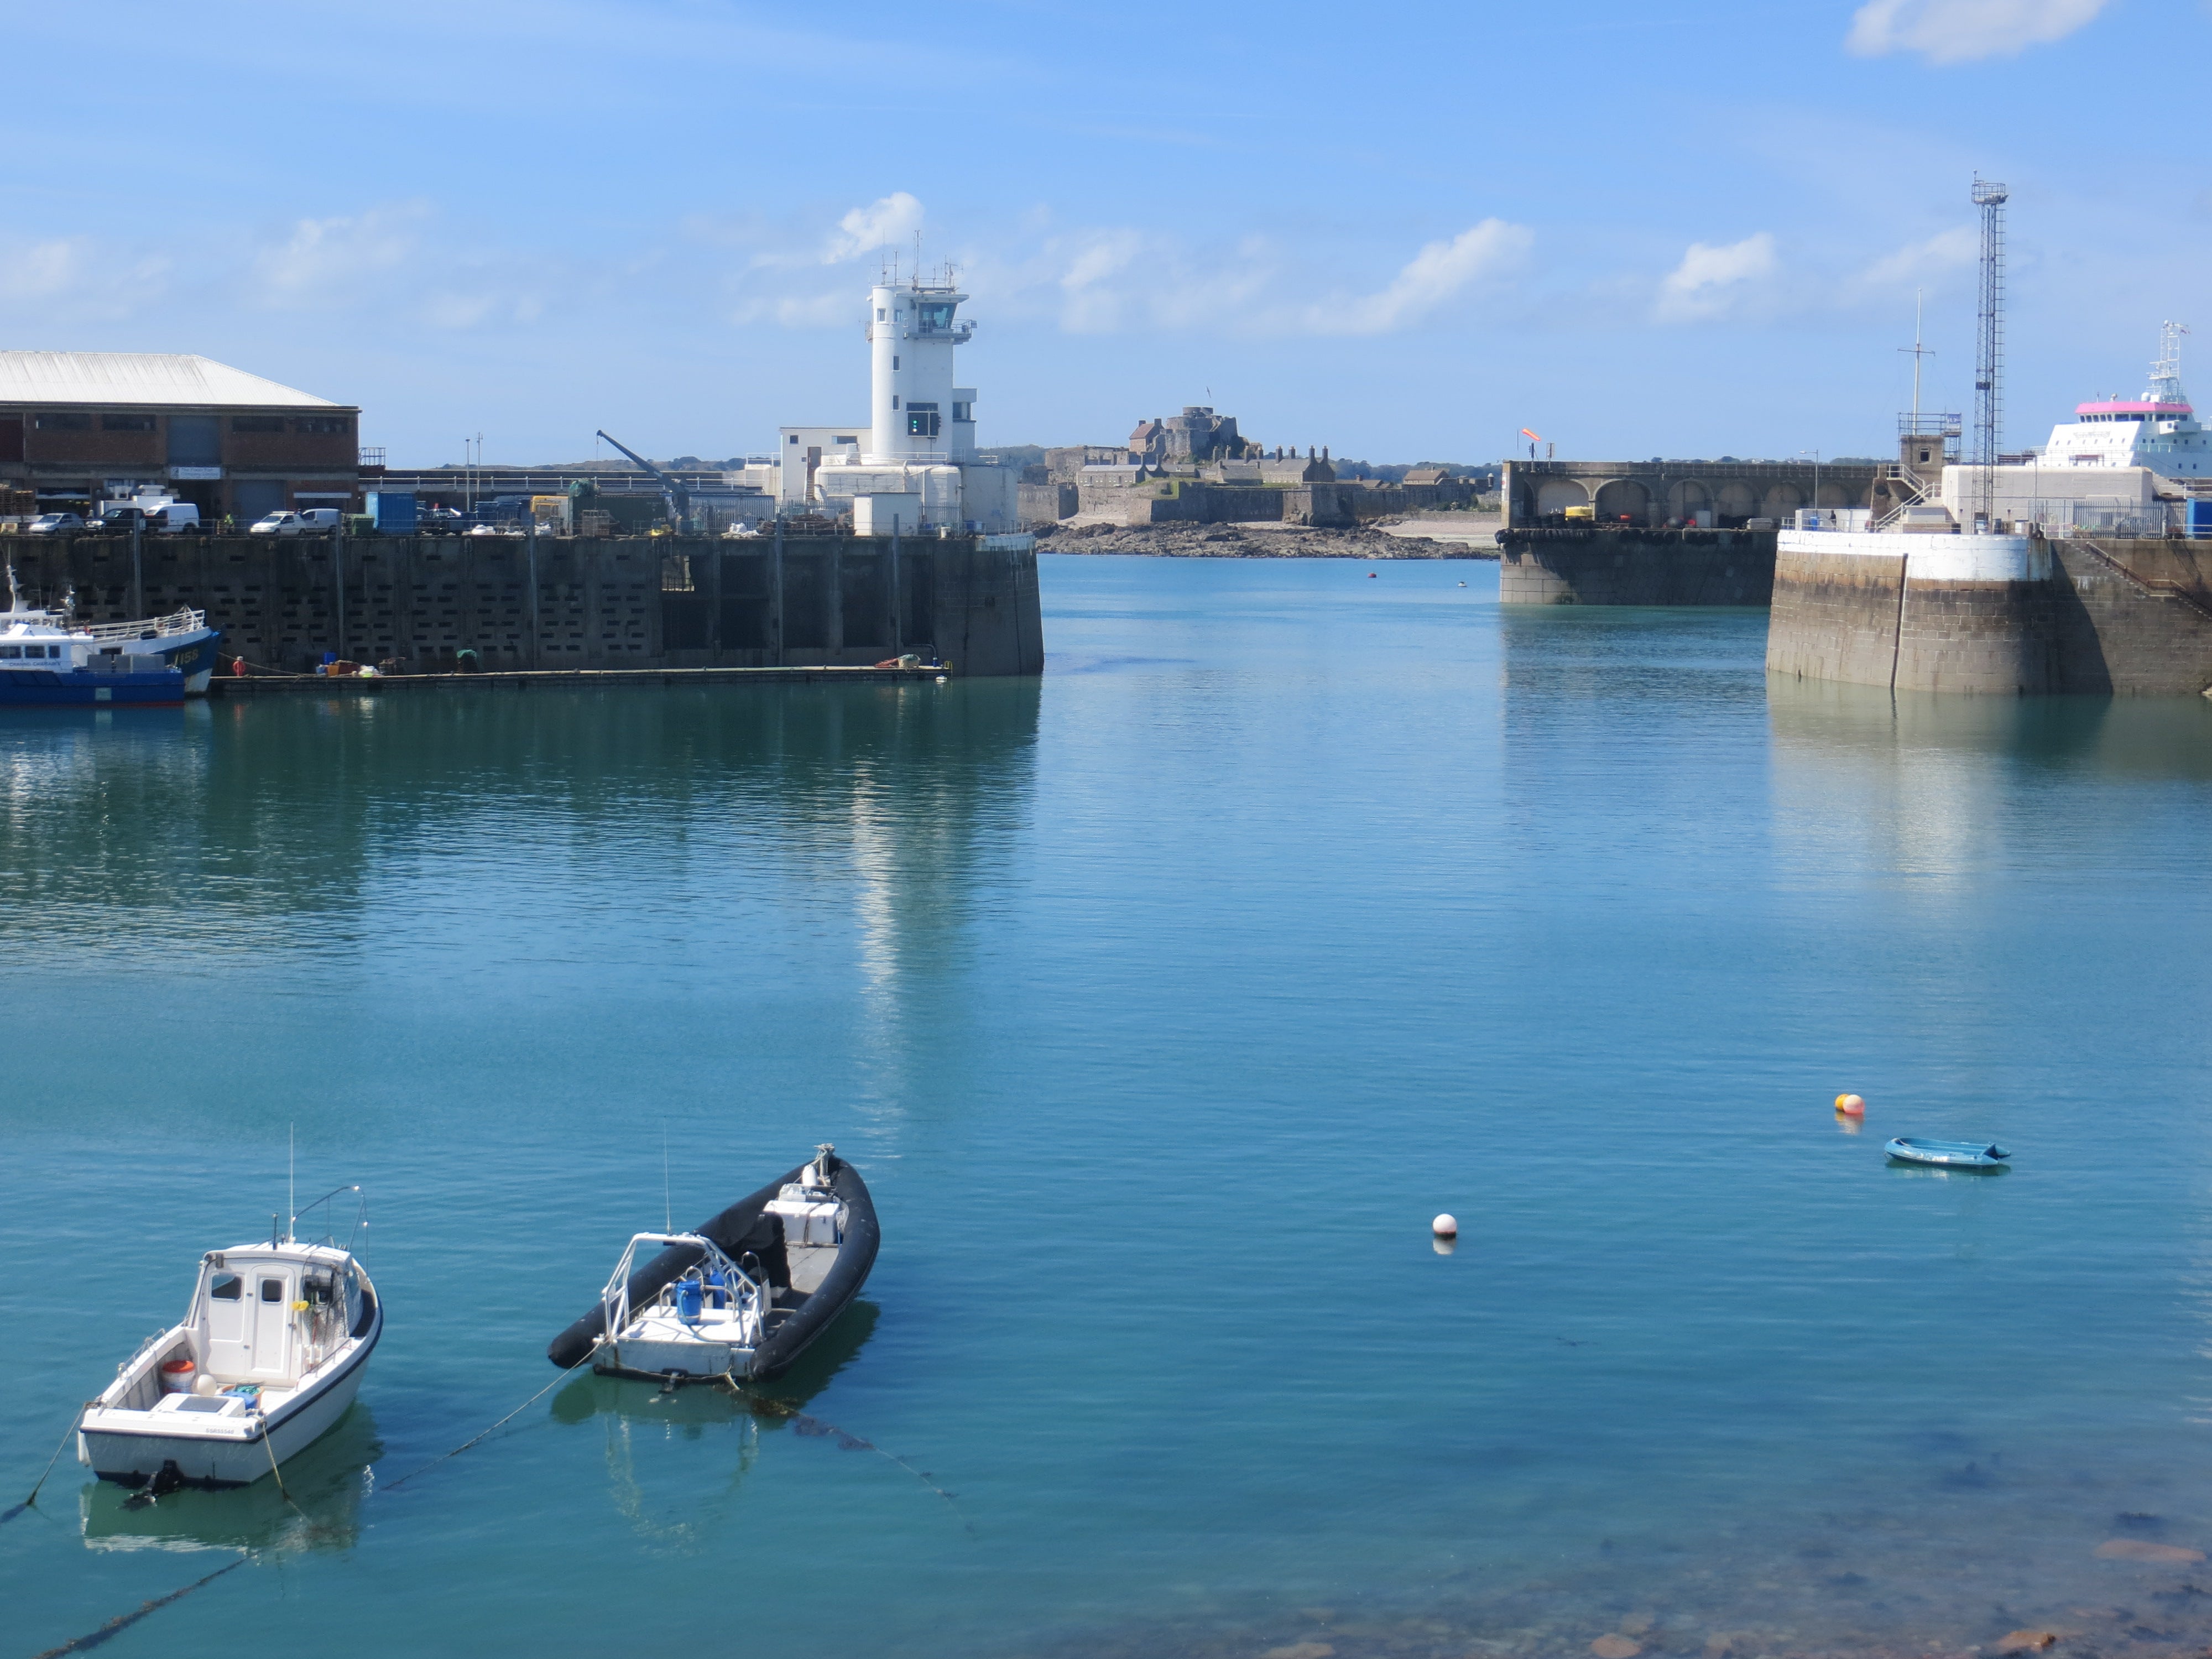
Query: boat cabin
x=263, y=1319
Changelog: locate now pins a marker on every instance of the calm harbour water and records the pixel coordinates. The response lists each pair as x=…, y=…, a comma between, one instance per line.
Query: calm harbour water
x=1161, y=1004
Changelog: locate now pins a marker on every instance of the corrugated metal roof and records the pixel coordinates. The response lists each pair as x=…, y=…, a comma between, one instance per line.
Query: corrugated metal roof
x=140, y=378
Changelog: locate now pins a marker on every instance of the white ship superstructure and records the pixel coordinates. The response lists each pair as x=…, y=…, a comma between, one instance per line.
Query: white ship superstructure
x=2158, y=431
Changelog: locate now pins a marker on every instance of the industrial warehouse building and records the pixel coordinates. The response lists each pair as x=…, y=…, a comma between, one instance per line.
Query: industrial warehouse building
x=81, y=426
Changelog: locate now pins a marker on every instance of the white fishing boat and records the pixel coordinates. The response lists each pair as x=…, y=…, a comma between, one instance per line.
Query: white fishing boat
x=267, y=1358
x=47, y=656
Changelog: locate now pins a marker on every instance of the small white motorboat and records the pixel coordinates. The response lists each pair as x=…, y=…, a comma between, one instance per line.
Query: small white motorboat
x=264, y=1363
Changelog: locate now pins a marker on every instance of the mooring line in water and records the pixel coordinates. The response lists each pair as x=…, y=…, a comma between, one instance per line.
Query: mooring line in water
x=7, y=1515
x=122, y=1621
x=395, y=1484
x=847, y=1441
x=281, y=1492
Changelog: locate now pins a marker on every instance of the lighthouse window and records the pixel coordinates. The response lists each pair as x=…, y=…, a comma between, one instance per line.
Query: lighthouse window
x=895, y=359
x=934, y=316
x=894, y=400
x=921, y=421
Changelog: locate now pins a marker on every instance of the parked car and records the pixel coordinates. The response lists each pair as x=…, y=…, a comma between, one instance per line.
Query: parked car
x=320, y=521
x=120, y=519
x=438, y=521
x=279, y=524
x=55, y=524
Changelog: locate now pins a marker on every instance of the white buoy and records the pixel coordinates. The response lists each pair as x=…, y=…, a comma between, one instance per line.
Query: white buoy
x=1444, y=1226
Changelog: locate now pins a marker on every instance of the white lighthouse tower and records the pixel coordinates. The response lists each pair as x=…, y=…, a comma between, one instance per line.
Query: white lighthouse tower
x=912, y=463
x=917, y=416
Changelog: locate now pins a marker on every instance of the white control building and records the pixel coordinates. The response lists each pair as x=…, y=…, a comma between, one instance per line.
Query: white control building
x=912, y=463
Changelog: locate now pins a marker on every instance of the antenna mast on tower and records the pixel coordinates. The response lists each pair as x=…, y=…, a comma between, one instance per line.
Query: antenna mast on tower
x=1916, y=352
x=1989, y=350
x=2166, y=373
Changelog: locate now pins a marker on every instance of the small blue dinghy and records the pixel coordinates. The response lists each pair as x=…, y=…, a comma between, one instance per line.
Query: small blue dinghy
x=1952, y=1154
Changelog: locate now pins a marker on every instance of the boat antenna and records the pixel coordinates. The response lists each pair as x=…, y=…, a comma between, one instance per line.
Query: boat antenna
x=291, y=1176
x=667, y=1204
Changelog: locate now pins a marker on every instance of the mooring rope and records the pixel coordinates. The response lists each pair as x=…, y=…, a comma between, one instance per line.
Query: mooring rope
x=122, y=1621
x=847, y=1441
x=11, y=1514
x=395, y=1484
x=270, y=1449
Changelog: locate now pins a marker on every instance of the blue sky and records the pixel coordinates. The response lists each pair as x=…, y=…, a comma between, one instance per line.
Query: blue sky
x=1680, y=228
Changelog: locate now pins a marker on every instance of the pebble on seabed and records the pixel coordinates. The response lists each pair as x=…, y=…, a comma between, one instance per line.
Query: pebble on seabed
x=1615, y=1647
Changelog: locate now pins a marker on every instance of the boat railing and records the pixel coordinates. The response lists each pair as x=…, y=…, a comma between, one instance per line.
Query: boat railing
x=614, y=1299
x=177, y=621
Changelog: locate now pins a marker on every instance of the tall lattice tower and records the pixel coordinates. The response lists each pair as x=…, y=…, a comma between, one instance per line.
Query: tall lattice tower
x=1988, y=351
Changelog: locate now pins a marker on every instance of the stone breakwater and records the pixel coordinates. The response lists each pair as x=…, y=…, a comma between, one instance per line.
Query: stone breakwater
x=1229, y=541
x=2002, y=615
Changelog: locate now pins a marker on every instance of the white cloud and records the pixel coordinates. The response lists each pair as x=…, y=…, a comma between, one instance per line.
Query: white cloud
x=1437, y=273
x=891, y=221
x=1711, y=281
x=1093, y=302
x=1945, y=250
x=41, y=271
x=1961, y=31
x=327, y=258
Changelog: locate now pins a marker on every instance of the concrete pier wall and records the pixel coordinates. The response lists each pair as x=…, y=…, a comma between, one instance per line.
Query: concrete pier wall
x=565, y=602
x=1544, y=566
x=1926, y=613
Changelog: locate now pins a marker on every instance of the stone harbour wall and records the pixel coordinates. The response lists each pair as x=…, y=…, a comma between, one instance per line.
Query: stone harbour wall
x=1545, y=566
x=566, y=602
x=2085, y=618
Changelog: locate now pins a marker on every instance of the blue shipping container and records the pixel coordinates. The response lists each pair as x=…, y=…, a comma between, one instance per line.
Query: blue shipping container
x=394, y=513
x=2200, y=517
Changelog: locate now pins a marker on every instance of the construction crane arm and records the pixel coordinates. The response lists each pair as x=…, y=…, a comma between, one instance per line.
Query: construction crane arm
x=678, y=498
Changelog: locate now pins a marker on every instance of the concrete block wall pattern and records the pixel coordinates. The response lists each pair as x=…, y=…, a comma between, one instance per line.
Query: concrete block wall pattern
x=673, y=602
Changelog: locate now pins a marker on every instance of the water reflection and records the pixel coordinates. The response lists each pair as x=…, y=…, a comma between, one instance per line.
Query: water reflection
x=265, y=826
x=677, y=1457
x=328, y=1483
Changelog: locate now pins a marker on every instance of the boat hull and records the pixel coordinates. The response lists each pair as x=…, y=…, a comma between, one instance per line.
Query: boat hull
x=686, y=1362
x=132, y=1457
x=192, y=655
x=1948, y=1154
x=43, y=688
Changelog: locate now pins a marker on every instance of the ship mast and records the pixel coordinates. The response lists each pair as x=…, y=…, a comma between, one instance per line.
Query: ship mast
x=2166, y=373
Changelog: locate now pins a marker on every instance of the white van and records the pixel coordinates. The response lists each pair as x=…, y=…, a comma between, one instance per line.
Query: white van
x=177, y=518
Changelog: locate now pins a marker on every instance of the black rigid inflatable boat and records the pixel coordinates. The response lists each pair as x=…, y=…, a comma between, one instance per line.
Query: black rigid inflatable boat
x=810, y=1236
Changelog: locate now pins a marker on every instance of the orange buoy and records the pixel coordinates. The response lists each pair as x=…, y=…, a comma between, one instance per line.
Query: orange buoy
x=1851, y=1105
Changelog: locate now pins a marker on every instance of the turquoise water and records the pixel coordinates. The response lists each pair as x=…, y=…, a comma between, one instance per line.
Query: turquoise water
x=1161, y=1004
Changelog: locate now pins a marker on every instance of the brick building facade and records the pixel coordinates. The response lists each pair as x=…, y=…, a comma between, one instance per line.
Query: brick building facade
x=80, y=426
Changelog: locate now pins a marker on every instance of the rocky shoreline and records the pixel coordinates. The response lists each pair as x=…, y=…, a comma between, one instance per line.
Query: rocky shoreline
x=1235, y=541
